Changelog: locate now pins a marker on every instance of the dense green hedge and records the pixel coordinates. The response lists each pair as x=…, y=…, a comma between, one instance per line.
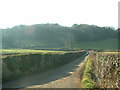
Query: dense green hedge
x=17, y=66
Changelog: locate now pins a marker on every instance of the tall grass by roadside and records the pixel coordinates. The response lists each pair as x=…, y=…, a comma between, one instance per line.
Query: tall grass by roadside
x=87, y=81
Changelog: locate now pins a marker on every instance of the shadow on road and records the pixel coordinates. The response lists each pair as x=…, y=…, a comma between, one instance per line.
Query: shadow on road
x=43, y=78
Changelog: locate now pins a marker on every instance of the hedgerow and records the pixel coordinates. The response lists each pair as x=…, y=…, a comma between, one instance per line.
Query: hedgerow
x=17, y=66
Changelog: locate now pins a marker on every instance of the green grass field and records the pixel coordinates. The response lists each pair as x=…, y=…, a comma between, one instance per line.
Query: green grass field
x=7, y=51
x=104, y=44
x=110, y=52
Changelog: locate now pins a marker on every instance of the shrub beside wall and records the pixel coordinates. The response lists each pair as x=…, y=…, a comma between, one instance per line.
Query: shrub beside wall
x=17, y=66
x=87, y=80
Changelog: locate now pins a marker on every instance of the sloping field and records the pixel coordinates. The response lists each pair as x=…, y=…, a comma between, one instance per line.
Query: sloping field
x=102, y=44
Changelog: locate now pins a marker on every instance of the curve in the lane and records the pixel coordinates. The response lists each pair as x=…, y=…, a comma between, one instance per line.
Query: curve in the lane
x=48, y=76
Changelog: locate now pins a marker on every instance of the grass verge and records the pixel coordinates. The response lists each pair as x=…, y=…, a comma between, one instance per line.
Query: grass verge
x=87, y=81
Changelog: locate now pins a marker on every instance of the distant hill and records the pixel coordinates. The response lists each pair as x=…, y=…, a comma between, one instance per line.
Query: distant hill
x=56, y=36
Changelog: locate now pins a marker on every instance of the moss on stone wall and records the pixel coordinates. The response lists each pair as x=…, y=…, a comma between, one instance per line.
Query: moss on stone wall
x=17, y=66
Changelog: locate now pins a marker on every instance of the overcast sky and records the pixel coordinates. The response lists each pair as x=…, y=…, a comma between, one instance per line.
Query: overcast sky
x=63, y=12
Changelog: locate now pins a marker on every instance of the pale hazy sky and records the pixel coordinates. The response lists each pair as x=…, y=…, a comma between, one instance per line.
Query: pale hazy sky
x=63, y=12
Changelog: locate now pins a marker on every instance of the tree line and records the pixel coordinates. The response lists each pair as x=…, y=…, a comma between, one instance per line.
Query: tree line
x=54, y=35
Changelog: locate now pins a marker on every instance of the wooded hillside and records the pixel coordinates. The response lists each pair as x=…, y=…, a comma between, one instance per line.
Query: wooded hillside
x=55, y=36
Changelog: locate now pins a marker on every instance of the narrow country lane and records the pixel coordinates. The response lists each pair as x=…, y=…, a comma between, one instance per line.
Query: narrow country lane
x=47, y=77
